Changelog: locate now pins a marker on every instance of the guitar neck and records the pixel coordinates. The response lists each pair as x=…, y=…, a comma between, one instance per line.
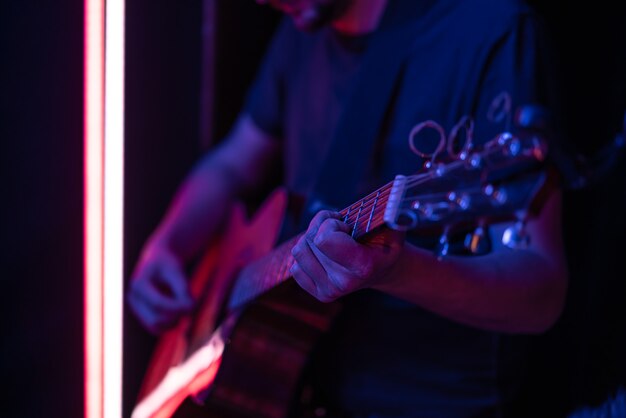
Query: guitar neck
x=258, y=277
x=368, y=213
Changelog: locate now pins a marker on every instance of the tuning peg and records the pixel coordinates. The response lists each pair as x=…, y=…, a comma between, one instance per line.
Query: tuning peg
x=533, y=117
x=473, y=160
x=498, y=195
x=516, y=236
x=504, y=138
x=477, y=242
x=540, y=149
x=513, y=147
x=443, y=246
x=462, y=200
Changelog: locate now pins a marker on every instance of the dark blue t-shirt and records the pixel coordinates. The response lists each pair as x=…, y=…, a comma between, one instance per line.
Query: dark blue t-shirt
x=475, y=59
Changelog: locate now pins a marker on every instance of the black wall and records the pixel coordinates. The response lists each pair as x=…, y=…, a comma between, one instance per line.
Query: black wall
x=41, y=203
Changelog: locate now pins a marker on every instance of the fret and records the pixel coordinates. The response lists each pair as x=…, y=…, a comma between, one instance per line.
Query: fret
x=369, y=222
x=372, y=204
x=356, y=222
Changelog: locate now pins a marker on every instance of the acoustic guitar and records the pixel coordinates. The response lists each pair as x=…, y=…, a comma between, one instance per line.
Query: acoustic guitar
x=243, y=351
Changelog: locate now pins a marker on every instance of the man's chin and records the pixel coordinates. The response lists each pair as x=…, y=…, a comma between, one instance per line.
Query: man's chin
x=312, y=19
x=307, y=26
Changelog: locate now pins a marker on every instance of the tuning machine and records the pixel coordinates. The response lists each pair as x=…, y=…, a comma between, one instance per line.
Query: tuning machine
x=443, y=246
x=497, y=195
x=516, y=236
x=477, y=242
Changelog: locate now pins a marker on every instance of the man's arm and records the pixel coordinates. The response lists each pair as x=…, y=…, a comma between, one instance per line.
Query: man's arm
x=506, y=290
x=159, y=292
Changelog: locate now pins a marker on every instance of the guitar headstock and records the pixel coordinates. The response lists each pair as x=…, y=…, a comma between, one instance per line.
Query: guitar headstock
x=496, y=183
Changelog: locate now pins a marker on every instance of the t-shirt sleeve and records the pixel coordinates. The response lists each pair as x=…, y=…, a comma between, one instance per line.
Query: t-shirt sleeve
x=265, y=100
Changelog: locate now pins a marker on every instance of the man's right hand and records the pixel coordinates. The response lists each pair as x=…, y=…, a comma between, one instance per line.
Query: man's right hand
x=159, y=291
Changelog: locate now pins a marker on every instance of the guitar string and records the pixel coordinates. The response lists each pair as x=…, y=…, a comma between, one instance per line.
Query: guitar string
x=377, y=215
x=352, y=216
x=383, y=198
x=360, y=204
x=364, y=204
x=437, y=195
x=272, y=274
x=413, y=180
x=381, y=206
x=485, y=154
x=285, y=262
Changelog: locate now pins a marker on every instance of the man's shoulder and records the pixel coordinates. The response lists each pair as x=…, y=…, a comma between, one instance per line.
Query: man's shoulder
x=488, y=10
x=491, y=14
x=477, y=20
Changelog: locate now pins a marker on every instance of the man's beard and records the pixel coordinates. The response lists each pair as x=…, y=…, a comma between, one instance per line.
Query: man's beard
x=322, y=14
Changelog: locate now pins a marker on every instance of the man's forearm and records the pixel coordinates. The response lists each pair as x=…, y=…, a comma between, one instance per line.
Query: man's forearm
x=235, y=167
x=196, y=212
x=516, y=291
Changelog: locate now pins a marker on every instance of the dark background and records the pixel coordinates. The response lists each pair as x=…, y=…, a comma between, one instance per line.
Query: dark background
x=41, y=132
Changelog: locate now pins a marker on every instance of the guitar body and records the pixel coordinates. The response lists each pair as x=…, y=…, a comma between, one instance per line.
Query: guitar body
x=239, y=362
x=264, y=360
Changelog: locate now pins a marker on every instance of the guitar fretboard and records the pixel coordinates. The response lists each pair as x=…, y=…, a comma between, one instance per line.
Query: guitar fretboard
x=272, y=269
x=367, y=214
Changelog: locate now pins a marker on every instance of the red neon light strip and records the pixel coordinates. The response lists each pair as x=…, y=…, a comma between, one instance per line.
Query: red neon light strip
x=93, y=209
x=104, y=155
x=112, y=291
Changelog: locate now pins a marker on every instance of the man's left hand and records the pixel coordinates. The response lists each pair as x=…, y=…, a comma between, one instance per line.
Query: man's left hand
x=329, y=263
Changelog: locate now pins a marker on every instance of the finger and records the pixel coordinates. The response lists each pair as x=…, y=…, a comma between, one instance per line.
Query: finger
x=164, y=303
x=338, y=274
x=334, y=242
x=330, y=227
x=344, y=250
x=303, y=280
x=307, y=261
x=174, y=278
x=336, y=278
x=351, y=264
x=150, y=319
x=319, y=219
x=158, y=302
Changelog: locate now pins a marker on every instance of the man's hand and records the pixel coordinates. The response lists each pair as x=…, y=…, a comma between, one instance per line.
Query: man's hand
x=159, y=292
x=329, y=263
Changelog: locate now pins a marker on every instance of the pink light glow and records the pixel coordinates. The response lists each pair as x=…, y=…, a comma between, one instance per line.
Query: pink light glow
x=104, y=173
x=93, y=209
x=113, y=271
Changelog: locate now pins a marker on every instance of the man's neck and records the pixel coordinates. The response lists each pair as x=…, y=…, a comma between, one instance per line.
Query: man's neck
x=360, y=17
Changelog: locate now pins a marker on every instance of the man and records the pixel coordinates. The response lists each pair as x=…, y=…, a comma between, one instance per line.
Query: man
x=420, y=334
